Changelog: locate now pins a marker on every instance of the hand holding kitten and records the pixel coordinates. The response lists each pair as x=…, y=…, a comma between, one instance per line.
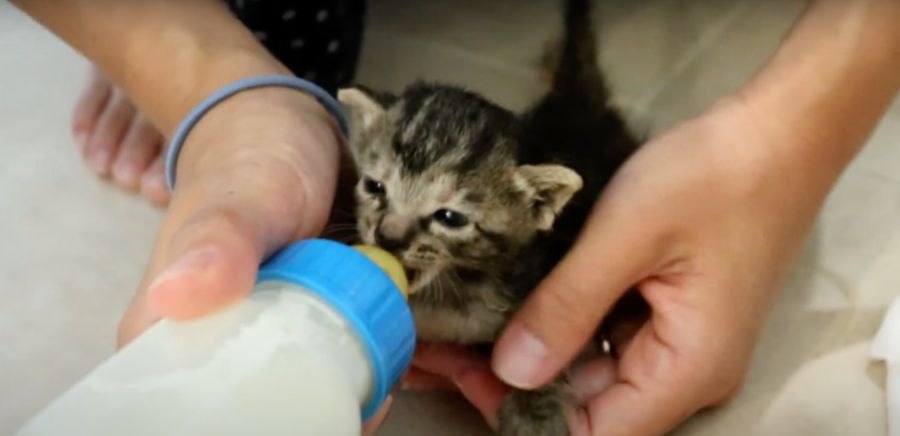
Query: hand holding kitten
x=707, y=232
x=705, y=236
x=705, y=220
x=257, y=172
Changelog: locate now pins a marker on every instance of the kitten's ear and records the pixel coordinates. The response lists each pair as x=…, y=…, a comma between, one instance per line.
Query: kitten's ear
x=362, y=109
x=551, y=187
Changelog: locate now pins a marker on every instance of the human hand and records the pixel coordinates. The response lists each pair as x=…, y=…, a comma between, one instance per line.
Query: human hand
x=705, y=221
x=257, y=171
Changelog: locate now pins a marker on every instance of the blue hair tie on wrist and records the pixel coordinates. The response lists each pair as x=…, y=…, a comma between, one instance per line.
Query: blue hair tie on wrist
x=330, y=103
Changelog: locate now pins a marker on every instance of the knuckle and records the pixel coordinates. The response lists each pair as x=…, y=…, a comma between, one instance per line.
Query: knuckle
x=265, y=193
x=214, y=224
x=102, y=141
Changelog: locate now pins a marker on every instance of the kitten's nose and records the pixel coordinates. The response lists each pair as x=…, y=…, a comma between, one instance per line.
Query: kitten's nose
x=390, y=244
x=393, y=233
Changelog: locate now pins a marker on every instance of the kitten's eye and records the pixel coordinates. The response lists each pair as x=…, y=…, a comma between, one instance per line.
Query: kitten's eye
x=450, y=218
x=373, y=187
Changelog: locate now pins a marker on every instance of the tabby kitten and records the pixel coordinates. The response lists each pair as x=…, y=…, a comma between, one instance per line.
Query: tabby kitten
x=480, y=203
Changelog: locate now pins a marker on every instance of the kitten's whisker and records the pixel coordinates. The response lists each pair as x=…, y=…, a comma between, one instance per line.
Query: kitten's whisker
x=439, y=283
x=350, y=240
x=340, y=226
x=339, y=236
x=330, y=231
x=346, y=236
x=456, y=283
x=343, y=213
x=454, y=290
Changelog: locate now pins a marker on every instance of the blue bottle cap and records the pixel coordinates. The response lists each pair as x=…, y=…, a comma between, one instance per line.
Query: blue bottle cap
x=366, y=297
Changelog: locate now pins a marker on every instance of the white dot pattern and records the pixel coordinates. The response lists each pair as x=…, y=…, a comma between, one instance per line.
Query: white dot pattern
x=317, y=40
x=333, y=46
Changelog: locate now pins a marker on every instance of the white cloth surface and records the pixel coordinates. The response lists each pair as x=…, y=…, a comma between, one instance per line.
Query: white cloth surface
x=73, y=247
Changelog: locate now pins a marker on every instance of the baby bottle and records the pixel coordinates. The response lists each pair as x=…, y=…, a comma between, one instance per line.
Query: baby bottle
x=312, y=351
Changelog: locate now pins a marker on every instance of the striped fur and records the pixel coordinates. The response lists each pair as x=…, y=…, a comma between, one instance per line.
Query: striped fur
x=524, y=184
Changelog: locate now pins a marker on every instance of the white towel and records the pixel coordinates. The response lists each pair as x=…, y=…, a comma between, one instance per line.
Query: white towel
x=886, y=347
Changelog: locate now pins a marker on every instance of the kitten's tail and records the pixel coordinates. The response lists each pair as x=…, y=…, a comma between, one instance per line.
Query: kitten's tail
x=576, y=70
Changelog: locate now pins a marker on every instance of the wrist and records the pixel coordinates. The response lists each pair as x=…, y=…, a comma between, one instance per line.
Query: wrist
x=276, y=146
x=270, y=121
x=195, y=70
x=823, y=92
x=327, y=101
x=166, y=55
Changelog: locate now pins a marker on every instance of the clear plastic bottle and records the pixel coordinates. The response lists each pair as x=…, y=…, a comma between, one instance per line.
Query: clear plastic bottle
x=312, y=351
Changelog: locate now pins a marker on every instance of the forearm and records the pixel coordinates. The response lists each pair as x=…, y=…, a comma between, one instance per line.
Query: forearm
x=165, y=54
x=829, y=84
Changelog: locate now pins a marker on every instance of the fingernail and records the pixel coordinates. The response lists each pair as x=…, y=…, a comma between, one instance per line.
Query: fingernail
x=579, y=422
x=153, y=180
x=404, y=384
x=100, y=160
x=520, y=361
x=457, y=379
x=81, y=138
x=126, y=174
x=465, y=388
x=192, y=262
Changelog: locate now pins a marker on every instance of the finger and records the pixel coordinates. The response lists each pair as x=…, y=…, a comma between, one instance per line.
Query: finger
x=420, y=380
x=216, y=233
x=153, y=182
x=109, y=131
x=141, y=144
x=563, y=313
x=446, y=360
x=484, y=390
x=370, y=426
x=657, y=389
x=210, y=260
x=592, y=378
x=89, y=107
x=469, y=372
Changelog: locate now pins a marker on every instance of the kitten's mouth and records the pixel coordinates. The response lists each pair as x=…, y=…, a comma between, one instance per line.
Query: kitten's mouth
x=419, y=278
x=412, y=276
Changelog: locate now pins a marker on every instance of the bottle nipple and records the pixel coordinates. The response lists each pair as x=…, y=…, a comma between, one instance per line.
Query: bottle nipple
x=389, y=263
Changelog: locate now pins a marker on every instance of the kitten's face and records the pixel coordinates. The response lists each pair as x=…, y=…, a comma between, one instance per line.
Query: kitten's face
x=439, y=218
x=439, y=186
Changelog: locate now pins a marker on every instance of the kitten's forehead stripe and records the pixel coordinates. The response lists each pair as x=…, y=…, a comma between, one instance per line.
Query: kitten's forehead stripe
x=412, y=122
x=447, y=124
x=474, y=197
x=424, y=222
x=487, y=137
x=498, y=239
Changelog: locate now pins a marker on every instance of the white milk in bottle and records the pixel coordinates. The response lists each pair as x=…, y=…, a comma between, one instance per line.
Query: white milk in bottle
x=312, y=351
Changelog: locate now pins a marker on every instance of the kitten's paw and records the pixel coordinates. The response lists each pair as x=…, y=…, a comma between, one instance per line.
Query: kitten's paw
x=536, y=413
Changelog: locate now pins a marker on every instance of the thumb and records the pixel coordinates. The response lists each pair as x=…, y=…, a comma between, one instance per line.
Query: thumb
x=563, y=313
x=216, y=233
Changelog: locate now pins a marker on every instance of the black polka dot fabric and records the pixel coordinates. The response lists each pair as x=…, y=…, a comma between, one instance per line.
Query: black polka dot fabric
x=319, y=40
